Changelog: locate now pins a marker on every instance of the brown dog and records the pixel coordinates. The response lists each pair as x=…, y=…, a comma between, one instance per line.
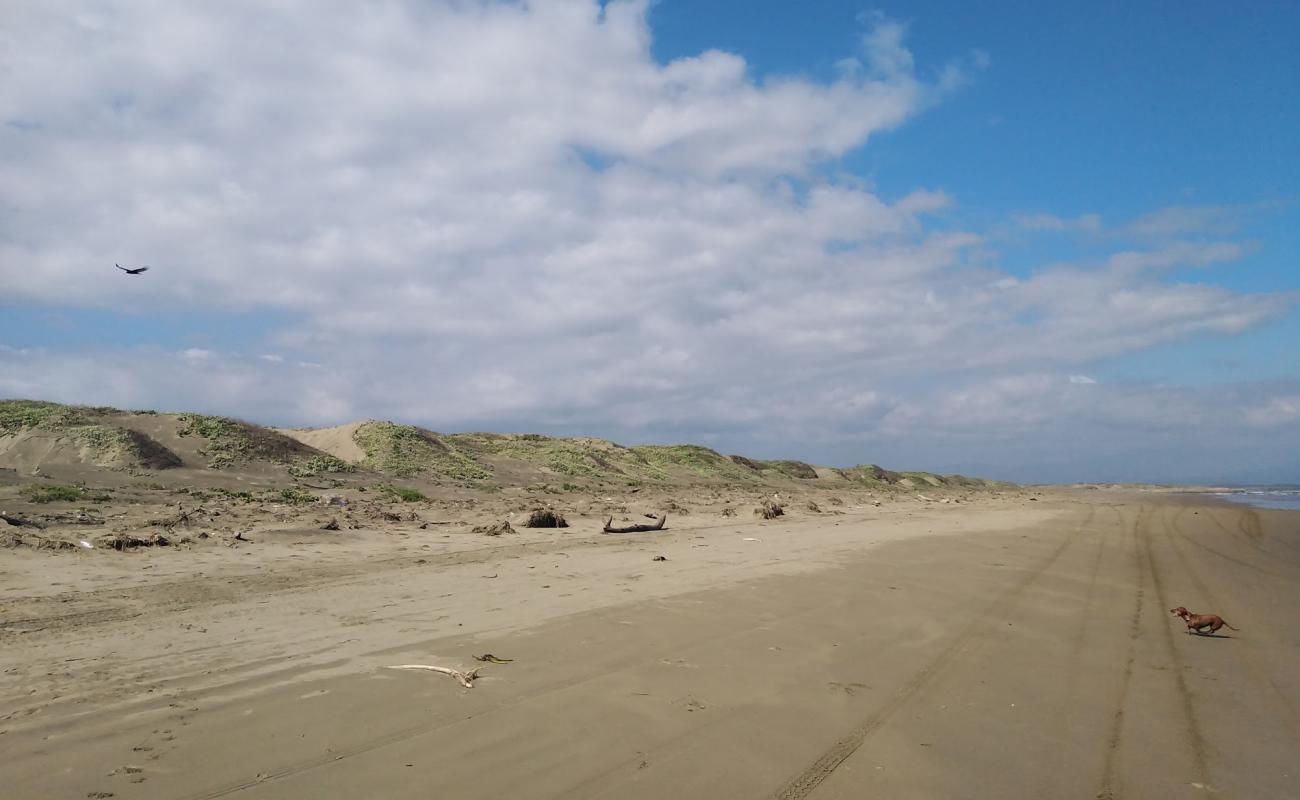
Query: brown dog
x=1195, y=622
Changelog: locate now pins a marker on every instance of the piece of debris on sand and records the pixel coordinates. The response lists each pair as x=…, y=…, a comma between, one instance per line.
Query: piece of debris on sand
x=129, y=541
x=332, y=525
x=181, y=517
x=728, y=512
x=769, y=510
x=494, y=530
x=545, y=518
x=18, y=522
x=813, y=507
x=465, y=677
x=610, y=528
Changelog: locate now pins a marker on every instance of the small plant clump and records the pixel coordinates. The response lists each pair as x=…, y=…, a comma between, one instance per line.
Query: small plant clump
x=49, y=494
x=770, y=509
x=297, y=496
x=401, y=493
x=320, y=465
x=545, y=518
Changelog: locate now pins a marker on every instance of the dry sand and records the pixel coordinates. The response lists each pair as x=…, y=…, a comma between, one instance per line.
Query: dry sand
x=991, y=649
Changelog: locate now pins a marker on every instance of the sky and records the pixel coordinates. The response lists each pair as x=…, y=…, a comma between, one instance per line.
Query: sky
x=1039, y=242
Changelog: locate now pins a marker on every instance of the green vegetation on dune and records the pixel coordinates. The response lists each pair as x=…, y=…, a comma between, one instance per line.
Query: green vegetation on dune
x=406, y=450
x=923, y=478
x=228, y=441
x=320, y=465
x=871, y=475
x=791, y=469
x=784, y=467
x=591, y=458
x=108, y=437
x=694, y=459
x=598, y=458
x=106, y=443
x=18, y=415
x=101, y=438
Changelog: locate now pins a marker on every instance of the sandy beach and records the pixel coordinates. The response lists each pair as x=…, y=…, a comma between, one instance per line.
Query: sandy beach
x=1003, y=647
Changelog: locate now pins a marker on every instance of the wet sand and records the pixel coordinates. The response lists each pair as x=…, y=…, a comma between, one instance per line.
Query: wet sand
x=1005, y=648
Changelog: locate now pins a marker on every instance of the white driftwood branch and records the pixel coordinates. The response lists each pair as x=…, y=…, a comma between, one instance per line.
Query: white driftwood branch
x=466, y=678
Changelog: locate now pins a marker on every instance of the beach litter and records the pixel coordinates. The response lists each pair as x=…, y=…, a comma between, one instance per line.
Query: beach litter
x=610, y=527
x=466, y=677
x=491, y=659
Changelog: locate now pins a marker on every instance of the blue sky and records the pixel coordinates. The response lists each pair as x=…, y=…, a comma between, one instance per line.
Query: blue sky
x=1026, y=240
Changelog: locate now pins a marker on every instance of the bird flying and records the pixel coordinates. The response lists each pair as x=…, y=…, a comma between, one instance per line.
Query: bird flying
x=135, y=271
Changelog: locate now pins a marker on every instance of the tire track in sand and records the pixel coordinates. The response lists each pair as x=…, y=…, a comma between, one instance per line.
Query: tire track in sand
x=812, y=776
x=420, y=729
x=1108, y=789
x=1255, y=669
x=1192, y=727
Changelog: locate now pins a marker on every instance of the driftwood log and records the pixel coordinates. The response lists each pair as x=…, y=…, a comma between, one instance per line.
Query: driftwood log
x=466, y=677
x=658, y=526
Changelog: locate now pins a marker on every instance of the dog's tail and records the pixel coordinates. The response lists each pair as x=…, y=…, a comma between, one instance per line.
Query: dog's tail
x=1226, y=625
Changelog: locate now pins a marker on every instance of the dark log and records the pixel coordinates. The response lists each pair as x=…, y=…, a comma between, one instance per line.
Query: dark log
x=658, y=526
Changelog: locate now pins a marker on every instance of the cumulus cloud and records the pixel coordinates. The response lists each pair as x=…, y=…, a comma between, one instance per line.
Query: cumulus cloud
x=490, y=213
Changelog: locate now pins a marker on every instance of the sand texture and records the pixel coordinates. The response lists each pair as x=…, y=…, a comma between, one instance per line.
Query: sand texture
x=997, y=647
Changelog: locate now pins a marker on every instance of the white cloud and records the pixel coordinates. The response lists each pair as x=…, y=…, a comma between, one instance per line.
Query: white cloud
x=1275, y=411
x=1082, y=380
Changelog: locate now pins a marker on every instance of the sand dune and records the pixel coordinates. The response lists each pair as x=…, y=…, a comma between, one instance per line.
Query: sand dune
x=337, y=441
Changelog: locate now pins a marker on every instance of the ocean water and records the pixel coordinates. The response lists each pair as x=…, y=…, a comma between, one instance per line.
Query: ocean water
x=1283, y=497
